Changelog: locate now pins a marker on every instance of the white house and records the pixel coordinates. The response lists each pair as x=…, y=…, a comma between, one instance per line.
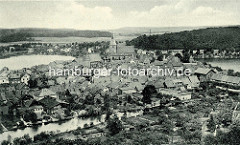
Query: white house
x=4, y=80
x=25, y=78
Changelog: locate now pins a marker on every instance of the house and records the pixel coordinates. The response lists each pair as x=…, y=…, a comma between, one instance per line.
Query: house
x=186, y=83
x=30, y=50
x=204, y=74
x=120, y=51
x=155, y=102
x=216, y=52
x=51, y=83
x=61, y=80
x=66, y=50
x=182, y=95
x=158, y=84
x=169, y=84
x=14, y=77
x=73, y=89
x=191, y=82
x=4, y=72
x=127, y=90
x=177, y=82
x=4, y=80
x=113, y=86
x=47, y=92
x=23, y=88
x=4, y=69
x=57, y=88
x=225, y=79
x=195, y=83
x=25, y=78
x=50, y=50
x=157, y=63
x=38, y=109
x=50, y=105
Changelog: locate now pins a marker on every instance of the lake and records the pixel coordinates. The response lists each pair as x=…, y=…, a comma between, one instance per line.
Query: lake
x=61, y=40
x=27, y=61
x=224, y=63
x=69, y=125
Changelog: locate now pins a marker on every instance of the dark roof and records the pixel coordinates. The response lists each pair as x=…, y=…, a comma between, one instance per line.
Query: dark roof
x=49, y=102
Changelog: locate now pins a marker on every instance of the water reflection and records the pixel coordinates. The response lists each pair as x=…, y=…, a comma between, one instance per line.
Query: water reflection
x=69, y=125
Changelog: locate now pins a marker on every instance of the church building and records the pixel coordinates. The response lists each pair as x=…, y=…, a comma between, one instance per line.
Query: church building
x=119, y=51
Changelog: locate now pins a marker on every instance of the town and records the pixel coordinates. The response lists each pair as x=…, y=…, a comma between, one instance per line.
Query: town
x=168, y=108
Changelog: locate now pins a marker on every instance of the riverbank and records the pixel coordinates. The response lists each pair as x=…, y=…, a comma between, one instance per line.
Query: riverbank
x=226, y=64
x=8, y=55
x=28, y=61
x=62, y=126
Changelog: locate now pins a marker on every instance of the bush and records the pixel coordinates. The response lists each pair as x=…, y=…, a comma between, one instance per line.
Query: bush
x=85, y=125
x=41, y=136
x=22, y=140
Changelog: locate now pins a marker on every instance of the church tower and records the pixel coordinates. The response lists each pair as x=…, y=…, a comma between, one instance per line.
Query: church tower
x=113, y=45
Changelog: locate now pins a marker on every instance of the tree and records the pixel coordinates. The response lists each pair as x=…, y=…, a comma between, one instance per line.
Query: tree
x=42, y=136
x=147, y=92
x=211, y=124
x=186, y=56
x=32, y=83
x=67, y=93
x=210, y=140
x=159, y=55
x=5, y=142
x=22, y=140
x=179, y=56
x=30, y=116
x=89, y=100
x=114, y=125
x=230, y=72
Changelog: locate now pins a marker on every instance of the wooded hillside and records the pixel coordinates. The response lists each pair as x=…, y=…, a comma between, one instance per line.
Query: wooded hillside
x=223, y=38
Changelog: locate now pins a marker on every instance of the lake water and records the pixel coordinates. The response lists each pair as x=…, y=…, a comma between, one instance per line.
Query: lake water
x=69, y=125
x=27, y=61
x=224, y=63
x=61, y=40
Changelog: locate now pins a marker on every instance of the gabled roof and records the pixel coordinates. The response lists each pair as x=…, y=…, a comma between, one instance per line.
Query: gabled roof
x=113, y=85
x=203, y=71
x=158, y=63
x=21, y=86
x=225, y=78
x=193, y=79
x=169, y=84
x=49, y=102
x=186, y=81
x=158, y=84
x=46, y=92
x=13, y=75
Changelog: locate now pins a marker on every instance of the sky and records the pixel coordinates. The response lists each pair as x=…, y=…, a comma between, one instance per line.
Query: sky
x=113, y=14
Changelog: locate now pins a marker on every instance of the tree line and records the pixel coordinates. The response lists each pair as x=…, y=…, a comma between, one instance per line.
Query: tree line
x=13, y=35
x=221, y=38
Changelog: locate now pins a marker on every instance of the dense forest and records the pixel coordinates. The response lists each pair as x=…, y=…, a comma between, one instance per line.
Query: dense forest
x=13, y=35
x=222, y=38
